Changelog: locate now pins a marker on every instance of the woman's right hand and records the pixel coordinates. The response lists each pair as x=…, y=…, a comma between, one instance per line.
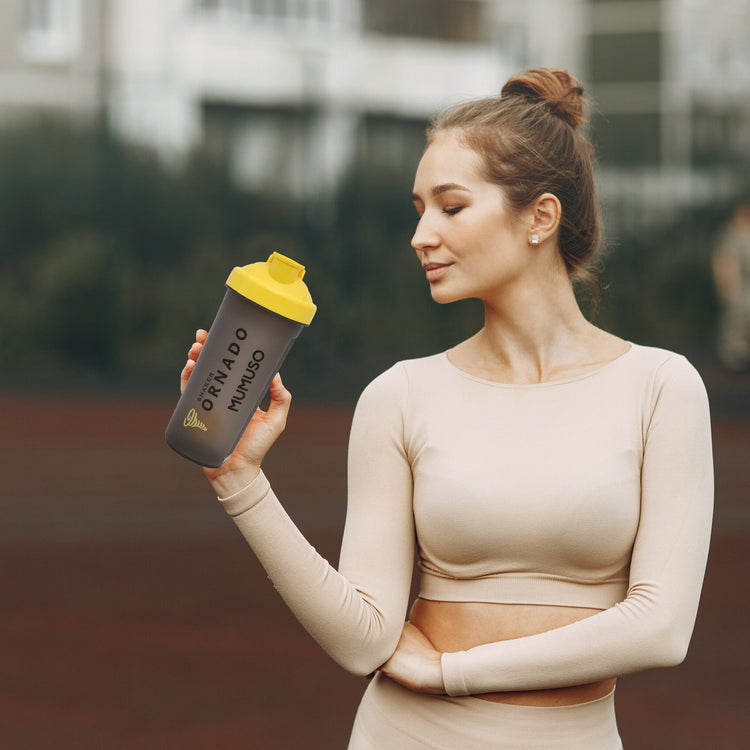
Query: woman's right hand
x=416, y=663
x=243, y=465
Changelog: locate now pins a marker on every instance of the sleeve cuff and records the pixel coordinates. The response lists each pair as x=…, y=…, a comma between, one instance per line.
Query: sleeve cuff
x=454, y=681
x=247, y=497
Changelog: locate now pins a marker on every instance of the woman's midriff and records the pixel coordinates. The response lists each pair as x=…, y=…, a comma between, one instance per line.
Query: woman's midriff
x=457, y=626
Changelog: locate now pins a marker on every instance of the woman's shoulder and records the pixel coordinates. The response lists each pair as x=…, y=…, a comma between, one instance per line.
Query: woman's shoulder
x=408, y=368
x=396, y=380
x=664, y=368
x=655, y=358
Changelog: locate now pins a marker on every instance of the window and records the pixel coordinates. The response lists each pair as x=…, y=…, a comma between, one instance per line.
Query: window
x=51, y=31
x=451, y=20
x=629, y=56
x=264, y=149
x=391, y=143
x=720, y=136
x=628, y=140
x=284, y=14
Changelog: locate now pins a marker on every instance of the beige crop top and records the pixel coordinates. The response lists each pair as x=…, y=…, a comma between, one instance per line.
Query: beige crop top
x=594, y=491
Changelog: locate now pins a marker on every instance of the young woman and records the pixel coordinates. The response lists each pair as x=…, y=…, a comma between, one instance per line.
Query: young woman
x=554, y=480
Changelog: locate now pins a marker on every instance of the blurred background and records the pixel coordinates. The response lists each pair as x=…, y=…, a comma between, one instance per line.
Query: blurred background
x=146, y=148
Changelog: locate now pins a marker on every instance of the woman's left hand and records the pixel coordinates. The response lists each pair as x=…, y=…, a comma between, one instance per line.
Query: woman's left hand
x=415, y=663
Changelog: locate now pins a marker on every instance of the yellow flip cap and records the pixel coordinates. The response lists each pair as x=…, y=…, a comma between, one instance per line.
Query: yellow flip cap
x=276, y=285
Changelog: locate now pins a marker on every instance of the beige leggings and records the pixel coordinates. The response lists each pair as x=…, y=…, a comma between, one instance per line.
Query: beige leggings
x=391, y=717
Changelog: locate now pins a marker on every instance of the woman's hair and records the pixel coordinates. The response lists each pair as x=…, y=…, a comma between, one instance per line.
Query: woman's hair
x=530, y=142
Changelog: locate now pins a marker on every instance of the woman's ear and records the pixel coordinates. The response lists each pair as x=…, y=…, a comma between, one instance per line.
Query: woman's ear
x=545, y=218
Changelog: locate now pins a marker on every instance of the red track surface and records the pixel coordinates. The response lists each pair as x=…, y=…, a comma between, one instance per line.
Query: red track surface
x=134, y=616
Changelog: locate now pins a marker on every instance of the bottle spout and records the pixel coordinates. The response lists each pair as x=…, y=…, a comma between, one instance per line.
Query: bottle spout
x=283, y=269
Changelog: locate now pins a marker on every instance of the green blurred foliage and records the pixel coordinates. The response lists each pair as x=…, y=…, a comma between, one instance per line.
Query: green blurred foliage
x=109, y=261
x=73, y=276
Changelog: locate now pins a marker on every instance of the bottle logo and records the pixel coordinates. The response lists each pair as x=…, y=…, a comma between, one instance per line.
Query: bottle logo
x=191, y=420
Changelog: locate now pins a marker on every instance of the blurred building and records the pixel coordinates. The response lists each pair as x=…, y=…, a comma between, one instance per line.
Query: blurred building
x=51, y=58
x=290, y=92
x=671, y=82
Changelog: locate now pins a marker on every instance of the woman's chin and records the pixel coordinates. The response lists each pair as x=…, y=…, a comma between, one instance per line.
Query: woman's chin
x=446, y=299
x=444, y=294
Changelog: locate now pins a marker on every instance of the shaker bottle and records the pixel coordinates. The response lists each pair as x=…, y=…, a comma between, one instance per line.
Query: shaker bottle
x=265, y=307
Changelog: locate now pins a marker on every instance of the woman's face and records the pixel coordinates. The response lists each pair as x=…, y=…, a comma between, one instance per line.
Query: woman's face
x=467, y=239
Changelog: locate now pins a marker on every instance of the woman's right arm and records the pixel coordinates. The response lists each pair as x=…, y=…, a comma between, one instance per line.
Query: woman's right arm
x=357, y=613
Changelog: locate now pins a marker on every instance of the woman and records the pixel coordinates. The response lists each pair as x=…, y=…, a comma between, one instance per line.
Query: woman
x=554, y=480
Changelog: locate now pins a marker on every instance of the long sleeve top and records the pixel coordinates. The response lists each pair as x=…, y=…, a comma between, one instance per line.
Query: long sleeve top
x=592, y=491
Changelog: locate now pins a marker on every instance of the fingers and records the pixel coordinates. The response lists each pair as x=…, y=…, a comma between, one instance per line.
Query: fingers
x=278, y=390
x=200, y=340
x=185, y=374
x=281, y=400
x=193, y=353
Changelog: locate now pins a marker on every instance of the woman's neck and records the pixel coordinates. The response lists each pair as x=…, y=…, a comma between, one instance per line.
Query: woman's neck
x=531, y=336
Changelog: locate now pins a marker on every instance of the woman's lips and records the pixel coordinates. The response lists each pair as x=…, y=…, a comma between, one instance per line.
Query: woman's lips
x=435, y=271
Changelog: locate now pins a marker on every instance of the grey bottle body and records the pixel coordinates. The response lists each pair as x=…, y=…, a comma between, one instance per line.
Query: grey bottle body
x=245, y=348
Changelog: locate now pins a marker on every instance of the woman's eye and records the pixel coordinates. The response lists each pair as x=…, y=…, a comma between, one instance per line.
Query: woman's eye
x=452, y=210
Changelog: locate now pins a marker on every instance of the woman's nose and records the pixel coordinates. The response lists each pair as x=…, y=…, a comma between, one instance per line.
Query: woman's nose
x=424, y=235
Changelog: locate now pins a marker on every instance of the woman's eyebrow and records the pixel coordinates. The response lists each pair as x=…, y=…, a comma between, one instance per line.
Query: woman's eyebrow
x=444, y=188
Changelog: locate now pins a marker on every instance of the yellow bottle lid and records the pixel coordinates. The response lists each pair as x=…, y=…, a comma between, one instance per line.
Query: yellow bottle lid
x=276, y=285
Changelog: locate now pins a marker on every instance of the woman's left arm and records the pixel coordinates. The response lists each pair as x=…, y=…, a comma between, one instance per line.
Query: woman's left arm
x=652, y=626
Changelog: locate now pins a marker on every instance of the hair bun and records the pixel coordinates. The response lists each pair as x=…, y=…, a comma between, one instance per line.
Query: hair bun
x=559, y=90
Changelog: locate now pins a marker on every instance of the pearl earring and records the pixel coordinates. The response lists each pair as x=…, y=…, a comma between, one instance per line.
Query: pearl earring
x=534, y=239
